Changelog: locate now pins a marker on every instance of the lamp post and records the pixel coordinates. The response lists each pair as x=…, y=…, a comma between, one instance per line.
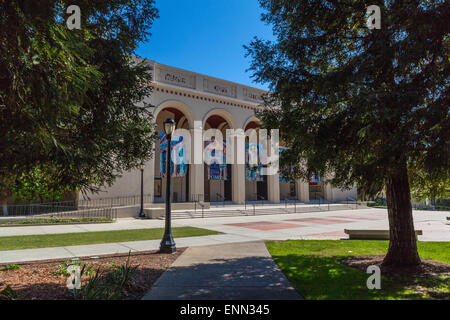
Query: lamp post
x=167, y=243
x=142, y=167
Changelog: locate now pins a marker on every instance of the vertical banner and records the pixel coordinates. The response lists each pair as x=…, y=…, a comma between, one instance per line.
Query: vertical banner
x=315, y=177
x=178, y=161
x=286, y=170
x=216, y=160
x=253, y=165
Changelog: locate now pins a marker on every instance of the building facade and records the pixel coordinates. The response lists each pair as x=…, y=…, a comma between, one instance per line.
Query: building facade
x=197, y=103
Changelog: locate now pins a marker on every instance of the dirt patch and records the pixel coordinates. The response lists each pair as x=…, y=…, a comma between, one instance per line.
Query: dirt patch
x=43, y=280
x=428, y=268
x=431, y=278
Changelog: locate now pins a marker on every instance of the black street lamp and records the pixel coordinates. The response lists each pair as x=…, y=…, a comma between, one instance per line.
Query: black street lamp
x=142, y=167
x=167, y=243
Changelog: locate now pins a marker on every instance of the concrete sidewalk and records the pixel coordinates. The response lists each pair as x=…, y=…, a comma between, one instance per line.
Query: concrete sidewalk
x=314, y=225
x=70, y=252
x=224, y=272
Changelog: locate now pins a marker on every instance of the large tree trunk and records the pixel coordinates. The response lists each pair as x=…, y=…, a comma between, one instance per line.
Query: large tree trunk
x=402, y=243
x=4, y=202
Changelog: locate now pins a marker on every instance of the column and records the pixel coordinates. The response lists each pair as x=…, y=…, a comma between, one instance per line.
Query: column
x=327, y=192
x=238, y=168
x=302, y=190
x=238, y=183
x=196, y=169
x=273, y=186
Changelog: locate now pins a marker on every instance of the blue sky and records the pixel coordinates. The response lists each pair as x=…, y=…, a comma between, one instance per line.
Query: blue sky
x=206, y=36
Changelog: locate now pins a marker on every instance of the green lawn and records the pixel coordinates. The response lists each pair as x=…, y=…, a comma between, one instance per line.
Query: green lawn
x=314, y=268
x=81, y=238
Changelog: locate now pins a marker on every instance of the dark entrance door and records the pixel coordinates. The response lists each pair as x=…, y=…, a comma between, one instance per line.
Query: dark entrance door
x=187, y=183
x=261, y=189
x=206, y=184
x=227, y=192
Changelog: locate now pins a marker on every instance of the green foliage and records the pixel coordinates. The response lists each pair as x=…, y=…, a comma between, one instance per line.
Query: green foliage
x=105, y=287
x=10, y=294
x=425, y=185
x=71, y=100
x=121, y=274
x=7, y=267
x=38, y=185
x=61, y=268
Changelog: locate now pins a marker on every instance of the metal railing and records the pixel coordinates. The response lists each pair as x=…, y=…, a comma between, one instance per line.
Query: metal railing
x=101, y=207
x=201, y=205
x=62, y=212
x=218, y=195
x=253, y=208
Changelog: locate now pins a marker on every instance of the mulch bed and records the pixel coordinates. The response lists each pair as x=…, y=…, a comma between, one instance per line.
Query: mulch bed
x=38, y=281
x=429, y=269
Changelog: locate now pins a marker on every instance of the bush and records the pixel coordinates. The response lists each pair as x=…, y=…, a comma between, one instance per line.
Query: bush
x=105, y=287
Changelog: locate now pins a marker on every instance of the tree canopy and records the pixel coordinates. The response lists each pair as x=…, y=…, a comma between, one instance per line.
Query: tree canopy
x=73, y=99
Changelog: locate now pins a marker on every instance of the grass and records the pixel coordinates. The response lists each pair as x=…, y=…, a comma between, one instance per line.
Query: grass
x=55, y=221
x=82, y=238
x=314, y=269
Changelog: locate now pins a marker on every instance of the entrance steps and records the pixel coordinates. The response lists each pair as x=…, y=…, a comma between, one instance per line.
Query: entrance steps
x=177, y=205
x=251, y=210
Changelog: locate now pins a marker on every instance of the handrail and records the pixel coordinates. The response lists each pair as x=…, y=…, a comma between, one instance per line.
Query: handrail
x=260, y=198
x=222, y=197
x=197, y=196
x=201, y=205
x=354, y=200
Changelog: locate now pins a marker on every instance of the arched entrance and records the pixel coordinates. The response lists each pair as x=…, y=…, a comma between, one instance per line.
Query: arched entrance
x=180, y=173
x=218, y=174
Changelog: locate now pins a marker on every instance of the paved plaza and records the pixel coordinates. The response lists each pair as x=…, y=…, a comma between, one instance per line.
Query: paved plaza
x=236, y=229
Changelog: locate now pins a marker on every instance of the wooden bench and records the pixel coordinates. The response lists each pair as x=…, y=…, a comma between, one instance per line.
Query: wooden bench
x=372, y=234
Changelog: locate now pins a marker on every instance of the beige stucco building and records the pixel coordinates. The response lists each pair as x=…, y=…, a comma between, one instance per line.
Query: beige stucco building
x=198, y=102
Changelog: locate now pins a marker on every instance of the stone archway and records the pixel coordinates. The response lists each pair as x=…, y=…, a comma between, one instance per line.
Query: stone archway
x=181, y=184
x=218, y=178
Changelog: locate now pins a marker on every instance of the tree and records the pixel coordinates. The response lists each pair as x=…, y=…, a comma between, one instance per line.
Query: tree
x=38, y=185
x=72, y=99
x=361, y=105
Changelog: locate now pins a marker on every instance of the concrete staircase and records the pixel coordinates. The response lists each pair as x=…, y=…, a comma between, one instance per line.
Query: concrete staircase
x=257, y=210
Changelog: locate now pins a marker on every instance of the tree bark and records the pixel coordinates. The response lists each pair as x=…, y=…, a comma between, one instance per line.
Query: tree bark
x=4, y=202
x=402, y=242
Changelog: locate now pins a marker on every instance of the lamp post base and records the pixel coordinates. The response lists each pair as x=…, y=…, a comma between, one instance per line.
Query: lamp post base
x=142, y=215
x=167, y=245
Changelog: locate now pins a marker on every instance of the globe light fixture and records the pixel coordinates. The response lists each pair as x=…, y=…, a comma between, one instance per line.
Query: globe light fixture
x=169, y=126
